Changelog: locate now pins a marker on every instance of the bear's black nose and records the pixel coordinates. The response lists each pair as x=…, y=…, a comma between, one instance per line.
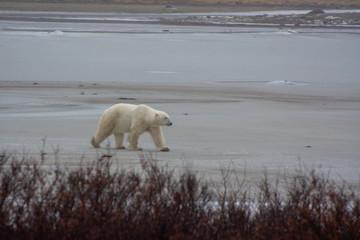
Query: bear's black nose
x=170, y=124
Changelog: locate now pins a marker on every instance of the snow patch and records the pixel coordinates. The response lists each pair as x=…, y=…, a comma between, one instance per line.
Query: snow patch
x=57, y=33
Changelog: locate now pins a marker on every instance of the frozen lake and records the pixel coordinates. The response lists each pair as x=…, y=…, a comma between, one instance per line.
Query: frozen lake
x=45, y=51
x=257, y=97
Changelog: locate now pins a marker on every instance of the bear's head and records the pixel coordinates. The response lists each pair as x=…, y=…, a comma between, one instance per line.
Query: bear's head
x=162, y=119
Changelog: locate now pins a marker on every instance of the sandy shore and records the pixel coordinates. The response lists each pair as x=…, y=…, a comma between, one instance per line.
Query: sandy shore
x=214, y=127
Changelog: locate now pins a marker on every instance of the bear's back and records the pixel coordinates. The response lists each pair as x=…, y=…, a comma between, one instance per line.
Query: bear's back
x=122, y=107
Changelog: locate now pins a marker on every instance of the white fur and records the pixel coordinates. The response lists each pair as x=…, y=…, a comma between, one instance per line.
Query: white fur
x=123, y=118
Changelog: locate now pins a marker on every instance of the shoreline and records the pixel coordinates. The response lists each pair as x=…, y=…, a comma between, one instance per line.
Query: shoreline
x=219, y=16
x=264, y=19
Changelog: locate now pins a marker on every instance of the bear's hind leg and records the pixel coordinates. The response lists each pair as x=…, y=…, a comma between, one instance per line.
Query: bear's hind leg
x=105, y=128
x=100, y=136
x=98, y=139
x=119, y=140
x=94, y=143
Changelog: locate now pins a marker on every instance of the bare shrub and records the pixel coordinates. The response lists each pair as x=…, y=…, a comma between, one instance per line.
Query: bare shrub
x=97, y=202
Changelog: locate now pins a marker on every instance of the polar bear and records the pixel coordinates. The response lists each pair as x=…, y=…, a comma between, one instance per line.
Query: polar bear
x=133, y=119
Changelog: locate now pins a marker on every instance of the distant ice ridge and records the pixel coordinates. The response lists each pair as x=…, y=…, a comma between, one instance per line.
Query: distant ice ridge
x=162, y=72
x=284, y=83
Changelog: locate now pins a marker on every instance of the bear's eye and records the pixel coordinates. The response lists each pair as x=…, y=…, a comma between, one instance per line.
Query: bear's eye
x=166, y=118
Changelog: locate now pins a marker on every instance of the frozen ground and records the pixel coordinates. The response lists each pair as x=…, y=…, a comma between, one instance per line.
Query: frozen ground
x=260, y=98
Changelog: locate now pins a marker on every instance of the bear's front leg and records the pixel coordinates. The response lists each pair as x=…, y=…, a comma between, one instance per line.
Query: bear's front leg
x=133, y=140
x=158, y=138
x=119, y=140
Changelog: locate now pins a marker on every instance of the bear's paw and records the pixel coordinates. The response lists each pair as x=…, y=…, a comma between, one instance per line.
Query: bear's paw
x=95, y=145
x=165, y=149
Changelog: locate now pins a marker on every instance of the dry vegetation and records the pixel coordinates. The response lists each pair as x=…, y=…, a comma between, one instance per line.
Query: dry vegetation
x=98, y=202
